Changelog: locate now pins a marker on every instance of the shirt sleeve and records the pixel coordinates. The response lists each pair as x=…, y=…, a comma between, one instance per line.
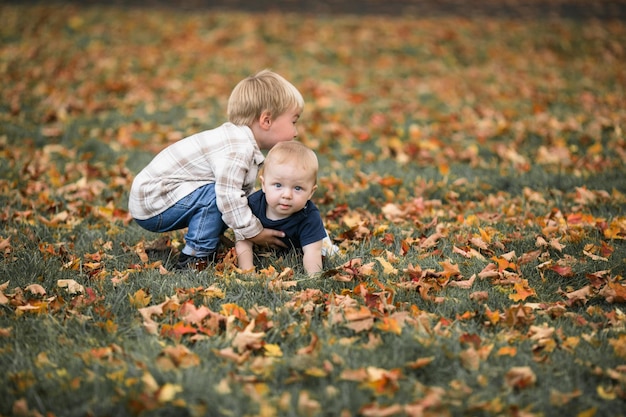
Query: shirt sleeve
x=312, y=229
x=231, y=170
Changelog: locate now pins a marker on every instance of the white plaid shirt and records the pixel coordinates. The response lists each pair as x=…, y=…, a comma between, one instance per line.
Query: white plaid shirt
x=227, y=156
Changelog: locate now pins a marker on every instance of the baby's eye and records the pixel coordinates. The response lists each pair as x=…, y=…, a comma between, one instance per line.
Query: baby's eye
x=278, y=185
x=298, y=188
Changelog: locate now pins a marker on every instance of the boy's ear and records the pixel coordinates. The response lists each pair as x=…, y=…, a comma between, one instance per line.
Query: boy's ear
x=265, y=120
x=312, y=191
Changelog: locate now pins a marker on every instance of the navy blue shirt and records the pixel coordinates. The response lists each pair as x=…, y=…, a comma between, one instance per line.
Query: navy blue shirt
x=301, y=228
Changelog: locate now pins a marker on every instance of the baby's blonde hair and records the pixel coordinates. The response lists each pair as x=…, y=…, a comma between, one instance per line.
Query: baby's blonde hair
x=264, y=91
x=294, y=153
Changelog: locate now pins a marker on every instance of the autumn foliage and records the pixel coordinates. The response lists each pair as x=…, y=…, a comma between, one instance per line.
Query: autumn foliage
x=472, y=176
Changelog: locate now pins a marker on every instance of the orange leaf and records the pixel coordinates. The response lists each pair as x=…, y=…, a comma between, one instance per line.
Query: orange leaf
x=178, y=330
x=232, y=309
x=522, y=291
x=507, y=350
x=389, y=181
x=449, y=269
x=389, y=324
x=420, y=363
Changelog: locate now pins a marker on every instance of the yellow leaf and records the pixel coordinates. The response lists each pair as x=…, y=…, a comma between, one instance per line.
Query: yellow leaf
x=588, y=413
x=388, y=269
x=273, y=350
x=619, y=346
x=168, y=392
x=139, y=299
x=606, y=394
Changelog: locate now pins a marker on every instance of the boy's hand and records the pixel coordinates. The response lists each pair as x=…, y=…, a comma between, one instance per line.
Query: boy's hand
x=269, y=237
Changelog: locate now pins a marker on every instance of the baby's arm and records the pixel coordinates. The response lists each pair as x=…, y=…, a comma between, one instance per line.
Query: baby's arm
x=245, y=255
x=312, y=258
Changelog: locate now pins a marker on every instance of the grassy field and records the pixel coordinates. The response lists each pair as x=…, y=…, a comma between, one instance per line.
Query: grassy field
x=472, y=175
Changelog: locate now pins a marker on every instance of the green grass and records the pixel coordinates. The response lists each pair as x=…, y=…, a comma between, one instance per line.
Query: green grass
x=483, y=136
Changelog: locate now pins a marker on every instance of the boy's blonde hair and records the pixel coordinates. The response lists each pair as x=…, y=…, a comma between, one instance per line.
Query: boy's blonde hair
x=264, y=91
x=294, y=153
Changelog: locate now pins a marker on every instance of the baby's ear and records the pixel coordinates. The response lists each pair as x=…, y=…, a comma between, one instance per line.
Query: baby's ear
x=262, y=182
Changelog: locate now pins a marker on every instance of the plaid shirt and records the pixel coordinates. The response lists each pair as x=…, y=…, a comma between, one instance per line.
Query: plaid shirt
x=227, y=156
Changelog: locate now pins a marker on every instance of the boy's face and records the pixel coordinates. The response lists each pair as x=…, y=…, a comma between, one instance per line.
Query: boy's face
x=281, y=129
x=287, y=189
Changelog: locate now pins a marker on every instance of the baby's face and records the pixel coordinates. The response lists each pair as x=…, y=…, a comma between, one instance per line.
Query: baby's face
x=287, y=189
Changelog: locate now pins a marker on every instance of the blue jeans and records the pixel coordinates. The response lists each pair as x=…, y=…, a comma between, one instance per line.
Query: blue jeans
x=199, y=213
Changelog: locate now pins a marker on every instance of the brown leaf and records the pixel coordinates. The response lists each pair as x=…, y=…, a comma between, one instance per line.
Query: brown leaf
x=465, y=284
x=520, y=377
x=248, y=339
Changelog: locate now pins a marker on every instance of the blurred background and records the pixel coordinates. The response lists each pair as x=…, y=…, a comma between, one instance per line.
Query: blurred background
x=575, y=9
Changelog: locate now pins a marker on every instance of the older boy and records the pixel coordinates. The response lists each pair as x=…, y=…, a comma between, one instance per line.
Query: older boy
x=288, y=181
x=202, y=182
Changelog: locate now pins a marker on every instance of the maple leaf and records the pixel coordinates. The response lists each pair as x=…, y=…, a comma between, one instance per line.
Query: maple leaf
x=150, y=325
x=36, y=289
x=177, y=330
x=272, y=350
x=382, y=381
x=614, y=292
x=72, y=286
x=231, y=309
x=192, y=314
x=562, y=270
x=139, y=299
x=5, y=245
x=520, y=377
x=358, y=319
x=489, y=271
x=177, y=356
x=307, y=406
x=470, y=359
x=580, y=295
x=559, y=399
x=431, y=241
x=449, y=269
x=230, y=354
x=248, y=339
x=388, y=269
x=390, y=325
x=465, y=284
x=522, y=291
x=168, y=392
x=507, y=350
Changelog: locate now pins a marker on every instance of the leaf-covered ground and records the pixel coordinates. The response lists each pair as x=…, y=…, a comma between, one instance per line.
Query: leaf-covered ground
x=472, y=176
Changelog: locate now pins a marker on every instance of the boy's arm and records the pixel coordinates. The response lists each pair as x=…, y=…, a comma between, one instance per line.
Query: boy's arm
x=269, y=237
x=312, y=258
x=245, y=255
